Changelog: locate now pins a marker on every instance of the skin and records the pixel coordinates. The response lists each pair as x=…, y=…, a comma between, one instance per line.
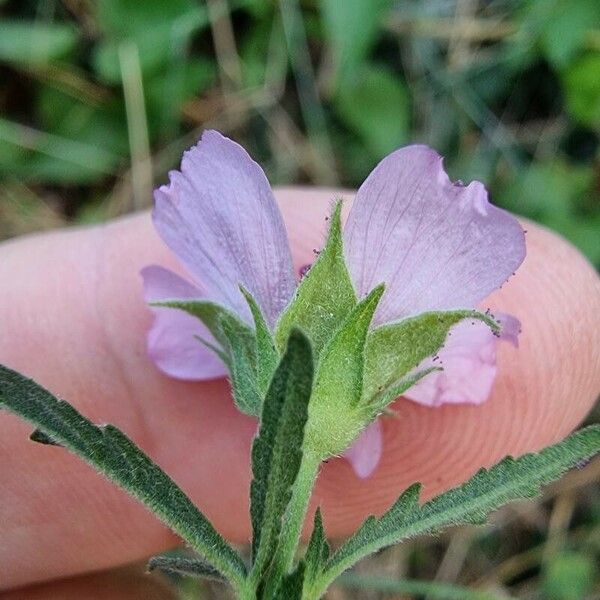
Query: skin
x=73, y=318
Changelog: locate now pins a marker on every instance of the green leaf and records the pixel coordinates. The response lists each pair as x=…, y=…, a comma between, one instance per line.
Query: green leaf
x=511, y=479
x=395, y=349
x=582, y=89
x=375, y=104
x=325, y=295
x=115, y=456
x=350, y=29
x=33, y=42
x=277, y=449
x=292, y=585
x=333, y=421
x=188, y=567
x=238, y=348
x=317, y=551
x=568, y=576
x=267, y=356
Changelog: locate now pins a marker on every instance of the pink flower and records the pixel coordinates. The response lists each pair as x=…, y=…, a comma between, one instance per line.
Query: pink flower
x=436, y=245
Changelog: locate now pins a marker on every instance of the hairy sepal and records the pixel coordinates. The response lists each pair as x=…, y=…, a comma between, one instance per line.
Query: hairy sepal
x=335, y=418
x=395, y=349
x=325, y=296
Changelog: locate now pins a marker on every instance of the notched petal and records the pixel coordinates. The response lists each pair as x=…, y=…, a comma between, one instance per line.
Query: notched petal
x=437, y=245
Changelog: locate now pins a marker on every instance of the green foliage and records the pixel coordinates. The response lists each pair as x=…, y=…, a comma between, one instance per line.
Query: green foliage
x=386, y=125
x=568, y=576
x=325, y=295
x=582, y=89
x=394, y=349
x=471, y=502
x=277, y=449
x=111, y=453
x=35, y=43
x=557, y=193
x=334, y=420
x=350, y=30
x=561, y=26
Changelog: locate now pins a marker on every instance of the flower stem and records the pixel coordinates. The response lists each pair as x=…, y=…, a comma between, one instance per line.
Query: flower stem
x=293, y=521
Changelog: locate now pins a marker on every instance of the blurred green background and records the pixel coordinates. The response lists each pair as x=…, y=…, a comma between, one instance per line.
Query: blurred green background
x=99, y=99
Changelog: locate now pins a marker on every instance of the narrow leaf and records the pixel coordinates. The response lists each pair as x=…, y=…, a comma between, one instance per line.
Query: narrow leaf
x=188, y=567
x=324, y=297
x=395, y=349
x=277, y=449
x=292, y=585
x=317, y=551
x=115, y=456
x=511, y=479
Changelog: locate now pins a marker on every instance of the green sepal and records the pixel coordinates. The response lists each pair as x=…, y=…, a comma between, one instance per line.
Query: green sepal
x=380, y=401
x=324, y=297
x=241, y=362
x=237, y=348
x=187, y=567
x=267, y=356
x=277, y=449
x=334, y=421
x=470, y=503
x=111, y=453
x=394, y=349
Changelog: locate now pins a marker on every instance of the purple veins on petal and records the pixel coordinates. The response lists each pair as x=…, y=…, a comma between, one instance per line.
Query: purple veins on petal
x=437, y=245
x=219, y=216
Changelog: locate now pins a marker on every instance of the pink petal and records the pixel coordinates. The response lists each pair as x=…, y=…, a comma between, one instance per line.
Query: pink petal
x=435, y=244
x=171, y=343
x=365, y=453
x=469, y=362
x=219, y=216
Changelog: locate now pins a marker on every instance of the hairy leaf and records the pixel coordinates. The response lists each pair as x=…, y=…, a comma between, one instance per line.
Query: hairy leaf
x=511, y=479
x=115, y=456
x=317, y=551
x=291, y=585
x=324, y=297
x=277, y=449
x=395, y=349
x=188, y=567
